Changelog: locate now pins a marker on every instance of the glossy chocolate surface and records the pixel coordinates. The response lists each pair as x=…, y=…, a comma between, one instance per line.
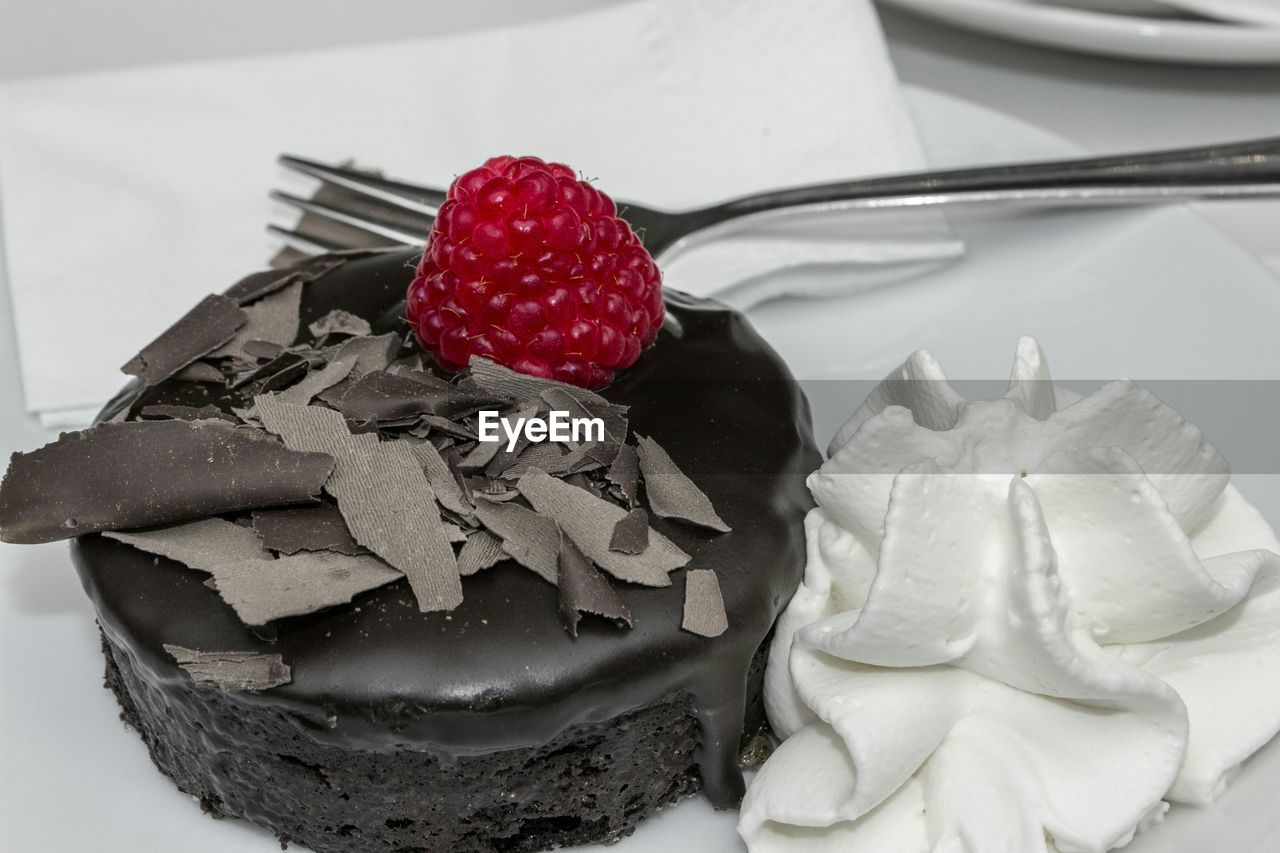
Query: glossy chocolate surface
x=500, y=671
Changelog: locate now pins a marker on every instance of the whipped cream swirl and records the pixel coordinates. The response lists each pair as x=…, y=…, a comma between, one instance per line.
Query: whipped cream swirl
x=1025, y=624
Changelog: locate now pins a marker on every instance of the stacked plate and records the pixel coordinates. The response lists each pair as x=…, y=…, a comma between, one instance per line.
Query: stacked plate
x=1216, y=32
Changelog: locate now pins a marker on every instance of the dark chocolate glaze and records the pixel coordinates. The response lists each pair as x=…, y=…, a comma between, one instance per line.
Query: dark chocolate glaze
x=500, y=671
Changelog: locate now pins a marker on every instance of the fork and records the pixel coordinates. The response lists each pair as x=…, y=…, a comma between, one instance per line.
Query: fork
x=366, y=209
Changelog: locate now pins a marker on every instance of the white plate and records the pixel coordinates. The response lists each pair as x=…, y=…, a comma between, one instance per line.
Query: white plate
x=1149, y=294
x=1129, y=36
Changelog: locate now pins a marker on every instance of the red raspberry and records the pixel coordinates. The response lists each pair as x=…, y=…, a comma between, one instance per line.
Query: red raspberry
x=532, y=268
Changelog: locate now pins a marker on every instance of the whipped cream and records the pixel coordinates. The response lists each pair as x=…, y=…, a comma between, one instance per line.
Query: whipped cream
x=1026, y=623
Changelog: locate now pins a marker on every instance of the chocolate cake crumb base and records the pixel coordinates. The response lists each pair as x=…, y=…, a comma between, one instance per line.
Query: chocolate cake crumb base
x=593, y=783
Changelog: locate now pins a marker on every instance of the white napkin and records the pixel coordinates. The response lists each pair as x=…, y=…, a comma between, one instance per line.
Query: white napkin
x=129, y=195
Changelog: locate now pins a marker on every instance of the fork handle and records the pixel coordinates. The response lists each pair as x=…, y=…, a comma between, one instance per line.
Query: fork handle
x=1234, y=169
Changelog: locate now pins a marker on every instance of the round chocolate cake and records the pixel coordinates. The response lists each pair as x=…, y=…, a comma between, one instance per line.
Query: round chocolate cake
x=533, y=713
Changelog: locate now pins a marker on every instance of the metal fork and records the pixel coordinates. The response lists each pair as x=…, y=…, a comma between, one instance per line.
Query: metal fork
x=364, y=208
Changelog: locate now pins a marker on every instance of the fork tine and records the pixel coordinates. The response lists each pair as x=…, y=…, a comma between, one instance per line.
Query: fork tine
x=419, y=199
x=364, y=221
x=308, y=244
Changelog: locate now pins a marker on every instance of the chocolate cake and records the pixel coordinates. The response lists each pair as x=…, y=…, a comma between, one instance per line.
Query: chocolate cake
x=379, y=709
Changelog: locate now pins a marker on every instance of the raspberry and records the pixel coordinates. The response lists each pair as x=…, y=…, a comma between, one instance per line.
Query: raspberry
x=530, y=267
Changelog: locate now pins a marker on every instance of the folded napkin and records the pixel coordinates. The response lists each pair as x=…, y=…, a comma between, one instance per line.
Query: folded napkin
x=129, y=195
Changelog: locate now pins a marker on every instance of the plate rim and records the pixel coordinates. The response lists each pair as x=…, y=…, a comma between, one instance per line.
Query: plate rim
x=1099, y=33
x=695, y=815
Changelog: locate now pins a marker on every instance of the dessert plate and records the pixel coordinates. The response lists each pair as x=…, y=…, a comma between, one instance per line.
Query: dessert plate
x=1151, y=294
x=1125, y=35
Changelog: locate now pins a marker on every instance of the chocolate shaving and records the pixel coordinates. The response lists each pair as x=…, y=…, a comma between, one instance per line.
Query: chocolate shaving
x=590, y=456
x=200, y=371
x=703, y=605
x=602, y=453
x=530, y=540
x=584, y=404
x=631, y=534
x=299, y=584
x=589, y=521
x=545, y=456
x=412, y=361
x=287, y=361
x=404, y=367
x=258, y=587
x=482, y=551
x=273, y=319
x=247, y=416
x=259, y=284
x=262, y=349
x=232, y=671
x=284, y=377
x=339, y=322
x=275, y=375
x=445, y=426
x=265, y=633
x=369, y=353
x=490, y=490
x=392, y=455
x=308, y=528
x=582, y=481
x=503, y=458
x=141, y=473
x=625, y=473
x=671, y=493
x=386, y=500
x=442, y=479
x=198, y=544
x=450, y=456
x=448, y=400
x=384, y=397
x=201, y=330
x=480, y=456
x=319, y=380
x=584, y=590
x=186, y=413
x=504, y=382
x=304, y=271
x=559, y=399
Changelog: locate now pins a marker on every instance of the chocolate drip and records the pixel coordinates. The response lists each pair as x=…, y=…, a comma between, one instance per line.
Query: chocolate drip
x=500, y=671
